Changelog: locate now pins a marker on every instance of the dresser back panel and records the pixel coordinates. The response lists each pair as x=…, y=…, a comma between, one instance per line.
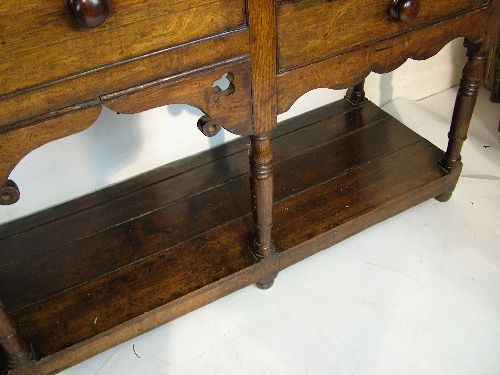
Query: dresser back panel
x=311, y=30
x=41, y=42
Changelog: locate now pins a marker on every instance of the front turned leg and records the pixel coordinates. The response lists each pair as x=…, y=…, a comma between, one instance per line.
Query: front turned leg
x=261, y=185
x=11, y=343
x=472, y=76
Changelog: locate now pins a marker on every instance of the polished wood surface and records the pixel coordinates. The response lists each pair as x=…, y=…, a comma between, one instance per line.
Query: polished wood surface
x=17, y=143
x=472, y=77
x=15, y=349
x=131, y=273
x=82, y=277
x=35, y=104
x=262, y=14
x=347, y=69
x=58, y=49
x=233, y=111
x=312, y=30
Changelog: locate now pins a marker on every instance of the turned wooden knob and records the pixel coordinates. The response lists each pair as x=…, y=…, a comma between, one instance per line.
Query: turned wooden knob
x=9, y=193
x=405, y=10
x=207, y=126
x=89, y=13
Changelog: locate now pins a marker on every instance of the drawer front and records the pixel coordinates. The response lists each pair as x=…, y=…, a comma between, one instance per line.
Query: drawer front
x=310, y=30
x=41, y=41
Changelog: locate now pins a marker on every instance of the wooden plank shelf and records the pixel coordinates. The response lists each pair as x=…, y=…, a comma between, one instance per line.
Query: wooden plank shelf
x=91, y=273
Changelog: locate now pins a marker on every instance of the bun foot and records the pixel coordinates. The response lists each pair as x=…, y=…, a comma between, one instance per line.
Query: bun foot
x=445, y=197
x=266, y=283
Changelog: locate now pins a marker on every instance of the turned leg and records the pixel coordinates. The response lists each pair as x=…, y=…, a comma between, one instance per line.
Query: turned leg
x=356, y=94
x=11, y=343
x=472, y=76
x=261, y=184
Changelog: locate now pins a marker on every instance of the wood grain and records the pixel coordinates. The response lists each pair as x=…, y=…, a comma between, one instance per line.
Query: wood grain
x=31, y=104
x=159, y=286
x=472, y=78
x=312, y=30
x=80, y=278
x=43, y=32
x=233, y=112
x=194, y=174
x=16, y=144
x=261, y=15
x=177, y=196
x=351, y=67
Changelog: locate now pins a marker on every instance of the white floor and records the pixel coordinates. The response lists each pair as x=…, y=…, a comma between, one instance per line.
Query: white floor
x=416, y=294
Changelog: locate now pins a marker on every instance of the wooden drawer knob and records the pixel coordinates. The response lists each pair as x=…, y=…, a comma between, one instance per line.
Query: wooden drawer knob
x=89, y=13
x=405, y=10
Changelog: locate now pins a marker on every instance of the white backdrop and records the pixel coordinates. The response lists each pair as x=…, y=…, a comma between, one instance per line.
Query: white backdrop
x=118, y=147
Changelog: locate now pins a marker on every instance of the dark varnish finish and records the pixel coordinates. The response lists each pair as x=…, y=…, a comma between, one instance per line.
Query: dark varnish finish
x=261, y=18
x=79, y=278
x=472, y=77
x=101, y=294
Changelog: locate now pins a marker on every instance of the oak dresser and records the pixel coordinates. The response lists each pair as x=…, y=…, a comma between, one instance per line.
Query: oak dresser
x=81, y=277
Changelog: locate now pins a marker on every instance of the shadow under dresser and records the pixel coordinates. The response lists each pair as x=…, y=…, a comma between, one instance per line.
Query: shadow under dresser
x=81, y=277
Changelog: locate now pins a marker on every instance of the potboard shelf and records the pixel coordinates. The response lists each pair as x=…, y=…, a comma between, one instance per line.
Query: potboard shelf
x=157, y=246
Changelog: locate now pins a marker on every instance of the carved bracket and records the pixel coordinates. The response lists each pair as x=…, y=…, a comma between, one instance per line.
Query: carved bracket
x=17, y=143
x=224, y=86
x=221, y=91
x=347, y=69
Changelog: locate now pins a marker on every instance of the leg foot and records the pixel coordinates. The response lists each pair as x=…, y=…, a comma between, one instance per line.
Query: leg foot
x=445, y=197
x=266, y=283
x=261, y=184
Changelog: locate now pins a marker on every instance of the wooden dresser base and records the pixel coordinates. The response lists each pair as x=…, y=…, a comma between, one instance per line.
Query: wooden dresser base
x=87, y=275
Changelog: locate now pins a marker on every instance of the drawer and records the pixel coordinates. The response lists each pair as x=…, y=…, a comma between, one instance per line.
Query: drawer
x=40, y=41
x=310, y=30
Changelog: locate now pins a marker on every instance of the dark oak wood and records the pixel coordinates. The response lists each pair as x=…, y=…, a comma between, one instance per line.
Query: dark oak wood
x=15, y=350
x=472, y=77
x=262, y=183
x=80, y=278
x=175, y=274
x=356, y=94
x=261, y=16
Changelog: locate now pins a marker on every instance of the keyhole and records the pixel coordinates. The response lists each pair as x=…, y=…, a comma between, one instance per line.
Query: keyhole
x=224, y=85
